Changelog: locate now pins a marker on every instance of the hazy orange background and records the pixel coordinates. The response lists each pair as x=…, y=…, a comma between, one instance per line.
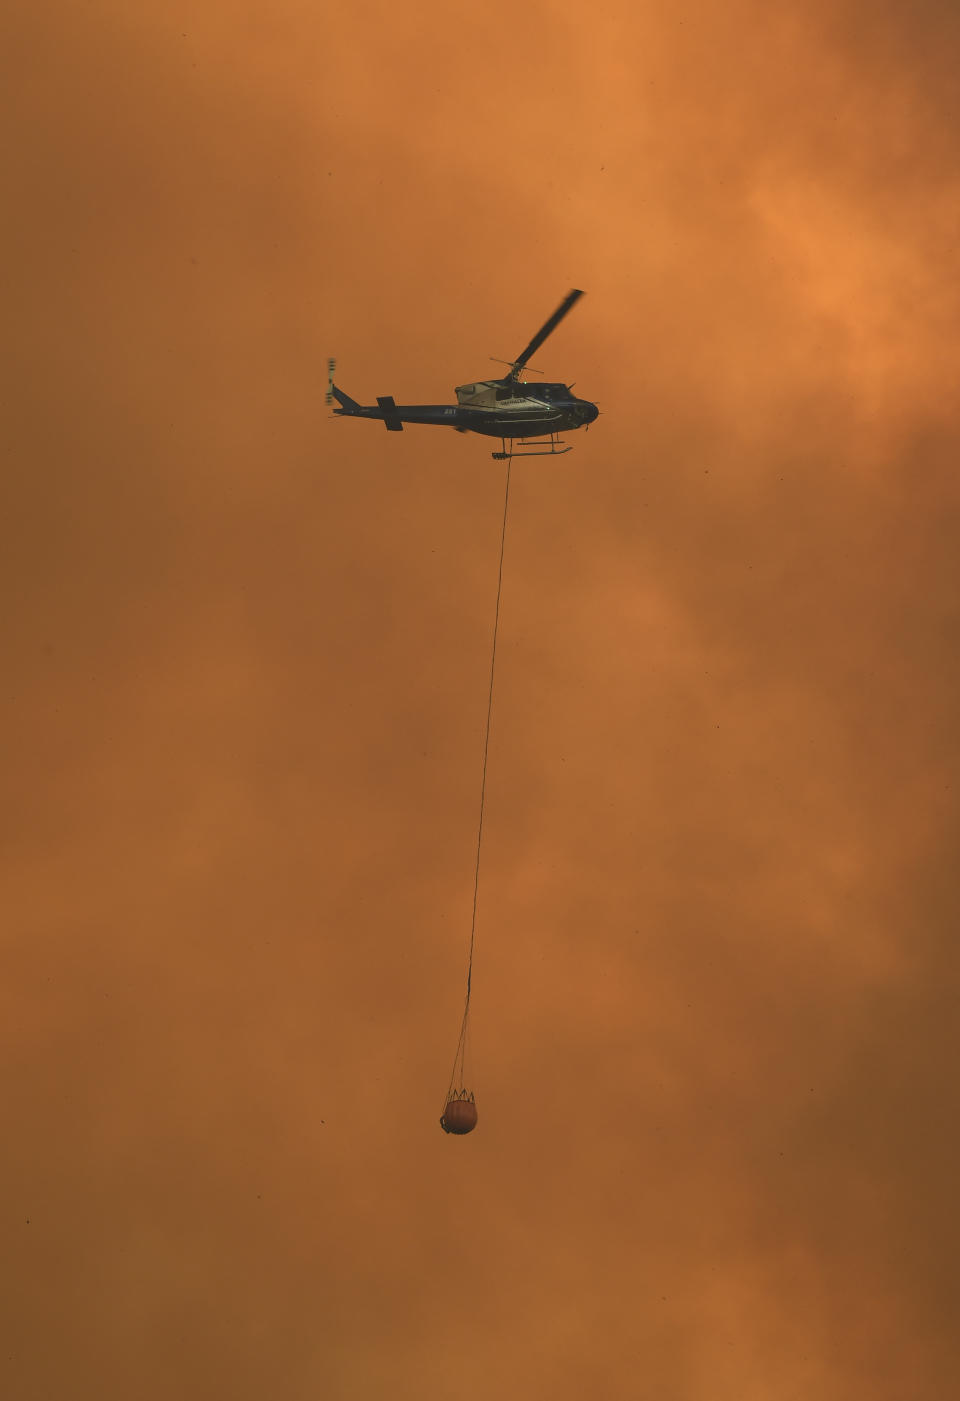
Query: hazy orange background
x=715, y=1029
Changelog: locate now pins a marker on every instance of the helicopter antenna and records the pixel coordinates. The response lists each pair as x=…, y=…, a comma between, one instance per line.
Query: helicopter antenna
x=331, y=366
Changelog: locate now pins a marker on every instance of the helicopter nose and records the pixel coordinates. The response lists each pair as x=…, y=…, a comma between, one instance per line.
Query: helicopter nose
x=588, y=412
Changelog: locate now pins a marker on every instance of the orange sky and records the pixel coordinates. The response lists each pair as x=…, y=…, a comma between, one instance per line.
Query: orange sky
x=246, y=650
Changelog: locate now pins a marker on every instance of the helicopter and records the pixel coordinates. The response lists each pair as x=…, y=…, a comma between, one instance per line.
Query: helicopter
x=507, y=408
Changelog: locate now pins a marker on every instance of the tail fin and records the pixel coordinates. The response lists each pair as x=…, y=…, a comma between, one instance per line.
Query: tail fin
x=347, y=405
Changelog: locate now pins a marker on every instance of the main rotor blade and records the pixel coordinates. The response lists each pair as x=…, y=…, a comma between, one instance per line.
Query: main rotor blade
x=545, y=330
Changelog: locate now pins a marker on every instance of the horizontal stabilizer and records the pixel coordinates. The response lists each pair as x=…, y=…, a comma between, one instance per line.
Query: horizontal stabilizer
x=390, y=416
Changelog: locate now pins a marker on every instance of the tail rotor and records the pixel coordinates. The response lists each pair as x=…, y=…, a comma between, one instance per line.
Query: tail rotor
x=331, y=367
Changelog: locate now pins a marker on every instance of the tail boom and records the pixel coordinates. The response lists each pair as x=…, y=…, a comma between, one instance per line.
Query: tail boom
x=394, y=416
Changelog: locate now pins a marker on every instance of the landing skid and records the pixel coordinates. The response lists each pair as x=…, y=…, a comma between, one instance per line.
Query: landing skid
x=531, y=447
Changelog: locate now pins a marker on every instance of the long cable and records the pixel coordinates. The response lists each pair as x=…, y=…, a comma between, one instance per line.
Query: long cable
x=458, y=1059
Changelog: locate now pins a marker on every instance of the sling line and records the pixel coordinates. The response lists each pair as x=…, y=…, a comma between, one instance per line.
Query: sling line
x=457, y=1072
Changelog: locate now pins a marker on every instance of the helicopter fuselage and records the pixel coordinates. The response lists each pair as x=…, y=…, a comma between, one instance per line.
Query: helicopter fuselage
x=495, y=408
